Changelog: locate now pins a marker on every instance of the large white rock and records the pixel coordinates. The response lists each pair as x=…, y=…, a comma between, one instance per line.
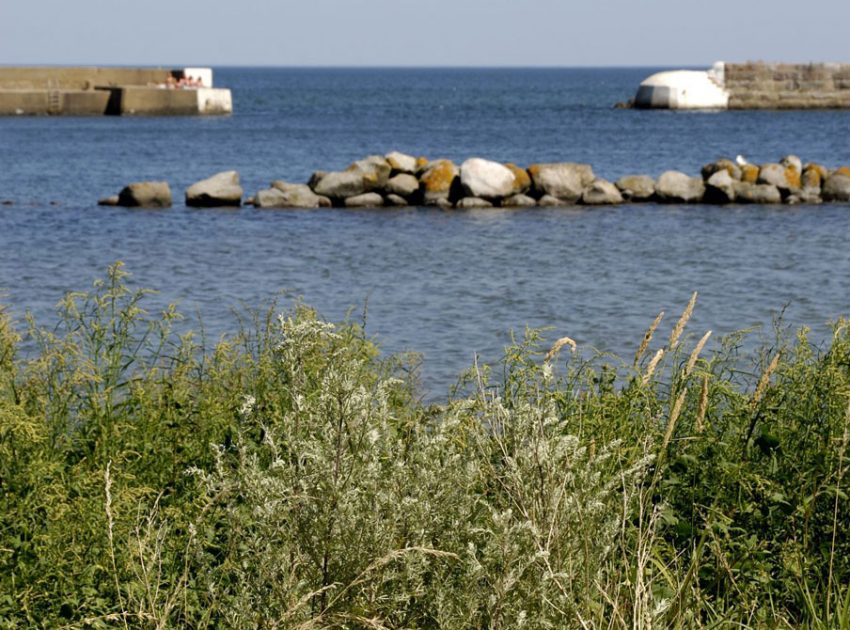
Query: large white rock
x=222, y=189
x=401, y=162
x=485, y=179
x=677, y=187
x=145, y=195
x=565, y=181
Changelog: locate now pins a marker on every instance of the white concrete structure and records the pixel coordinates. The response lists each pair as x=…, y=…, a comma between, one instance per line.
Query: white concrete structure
x=214, y=101
x=684, y=89
x=204, y=74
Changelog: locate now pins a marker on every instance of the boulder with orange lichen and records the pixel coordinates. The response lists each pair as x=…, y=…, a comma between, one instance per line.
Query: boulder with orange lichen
x=721, y=165
x=749, y=173
x=522, y=180
x=813, y=176
x=786, y=179
x=438, y=180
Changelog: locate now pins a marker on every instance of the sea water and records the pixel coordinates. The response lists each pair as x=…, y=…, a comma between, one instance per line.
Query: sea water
x=448, y=284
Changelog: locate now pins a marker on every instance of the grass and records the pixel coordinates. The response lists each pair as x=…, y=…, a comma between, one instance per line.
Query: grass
x=289, y=478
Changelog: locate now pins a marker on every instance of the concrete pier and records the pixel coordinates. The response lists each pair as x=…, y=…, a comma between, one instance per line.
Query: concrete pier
x=67, y=91
x=754, y=85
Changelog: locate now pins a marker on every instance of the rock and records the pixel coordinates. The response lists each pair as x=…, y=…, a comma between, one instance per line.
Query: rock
x=422, y=164
x=784, y=178
x=636, y=187
x=601, y=193
x=441, y=202
x=366, y=200
x=112, y=200
x=486, y=179
x=437, y=181
x=522, y=180
x=468, y=203
x=146, y=195
x=747, y=192
x=720, y=188
x=395, y=201
x=550, y=201
x=749, y=173
x=315, y=178
x=374, y=168
x=249, y=201
x=808, y=196
x=792, y=161
x=339, y=185
x=813, y=176
x=519, y=201
x=288, y=196
x=403, y=185
x=721, y=165
x=677, y=187
x=401, y=163
x=297, y=195
x=565, y=181
x=325, y=202
x=222, y=189
x=836, y=187
x=842, y=170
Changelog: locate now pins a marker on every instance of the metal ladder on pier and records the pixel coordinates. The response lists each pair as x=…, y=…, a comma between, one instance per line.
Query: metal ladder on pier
x=54, y=97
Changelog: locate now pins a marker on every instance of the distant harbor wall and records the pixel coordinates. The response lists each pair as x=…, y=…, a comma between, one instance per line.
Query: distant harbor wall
x=787, y=86
x=93, y=91
x=752, y=85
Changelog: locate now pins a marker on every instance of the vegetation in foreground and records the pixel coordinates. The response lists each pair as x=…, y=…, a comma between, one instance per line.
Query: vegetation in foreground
x=288, y=478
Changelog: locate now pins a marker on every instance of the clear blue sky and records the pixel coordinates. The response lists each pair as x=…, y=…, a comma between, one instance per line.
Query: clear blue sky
x=421, y=32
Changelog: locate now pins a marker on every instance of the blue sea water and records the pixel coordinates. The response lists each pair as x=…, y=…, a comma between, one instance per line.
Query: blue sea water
x=447, y=284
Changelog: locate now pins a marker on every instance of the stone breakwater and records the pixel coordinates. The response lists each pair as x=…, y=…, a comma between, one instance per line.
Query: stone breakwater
x=398, y=180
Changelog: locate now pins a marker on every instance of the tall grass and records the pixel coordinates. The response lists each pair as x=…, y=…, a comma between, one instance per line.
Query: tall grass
x=289, y=477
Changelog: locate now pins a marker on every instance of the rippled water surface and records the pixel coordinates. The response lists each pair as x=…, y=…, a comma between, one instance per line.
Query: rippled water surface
x=447, y=284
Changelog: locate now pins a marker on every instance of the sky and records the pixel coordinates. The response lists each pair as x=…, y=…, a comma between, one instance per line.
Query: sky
x=420, y=32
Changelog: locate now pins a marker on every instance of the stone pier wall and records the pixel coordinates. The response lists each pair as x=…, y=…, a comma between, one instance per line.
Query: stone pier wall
x=787, y=86
x=91, y=91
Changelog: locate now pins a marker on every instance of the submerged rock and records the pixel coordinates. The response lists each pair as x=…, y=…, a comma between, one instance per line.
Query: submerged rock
x=746, y=192
x=396, y=201
x=565, y=180
x=284, y=195
x=550, y=201
x=366, y=200
x=145, y=195
x=112, y=200
x=468, y=203
x=677, y=187
x=220, y=190
x=636, y=187
x=600, y=193
x=519, y=201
